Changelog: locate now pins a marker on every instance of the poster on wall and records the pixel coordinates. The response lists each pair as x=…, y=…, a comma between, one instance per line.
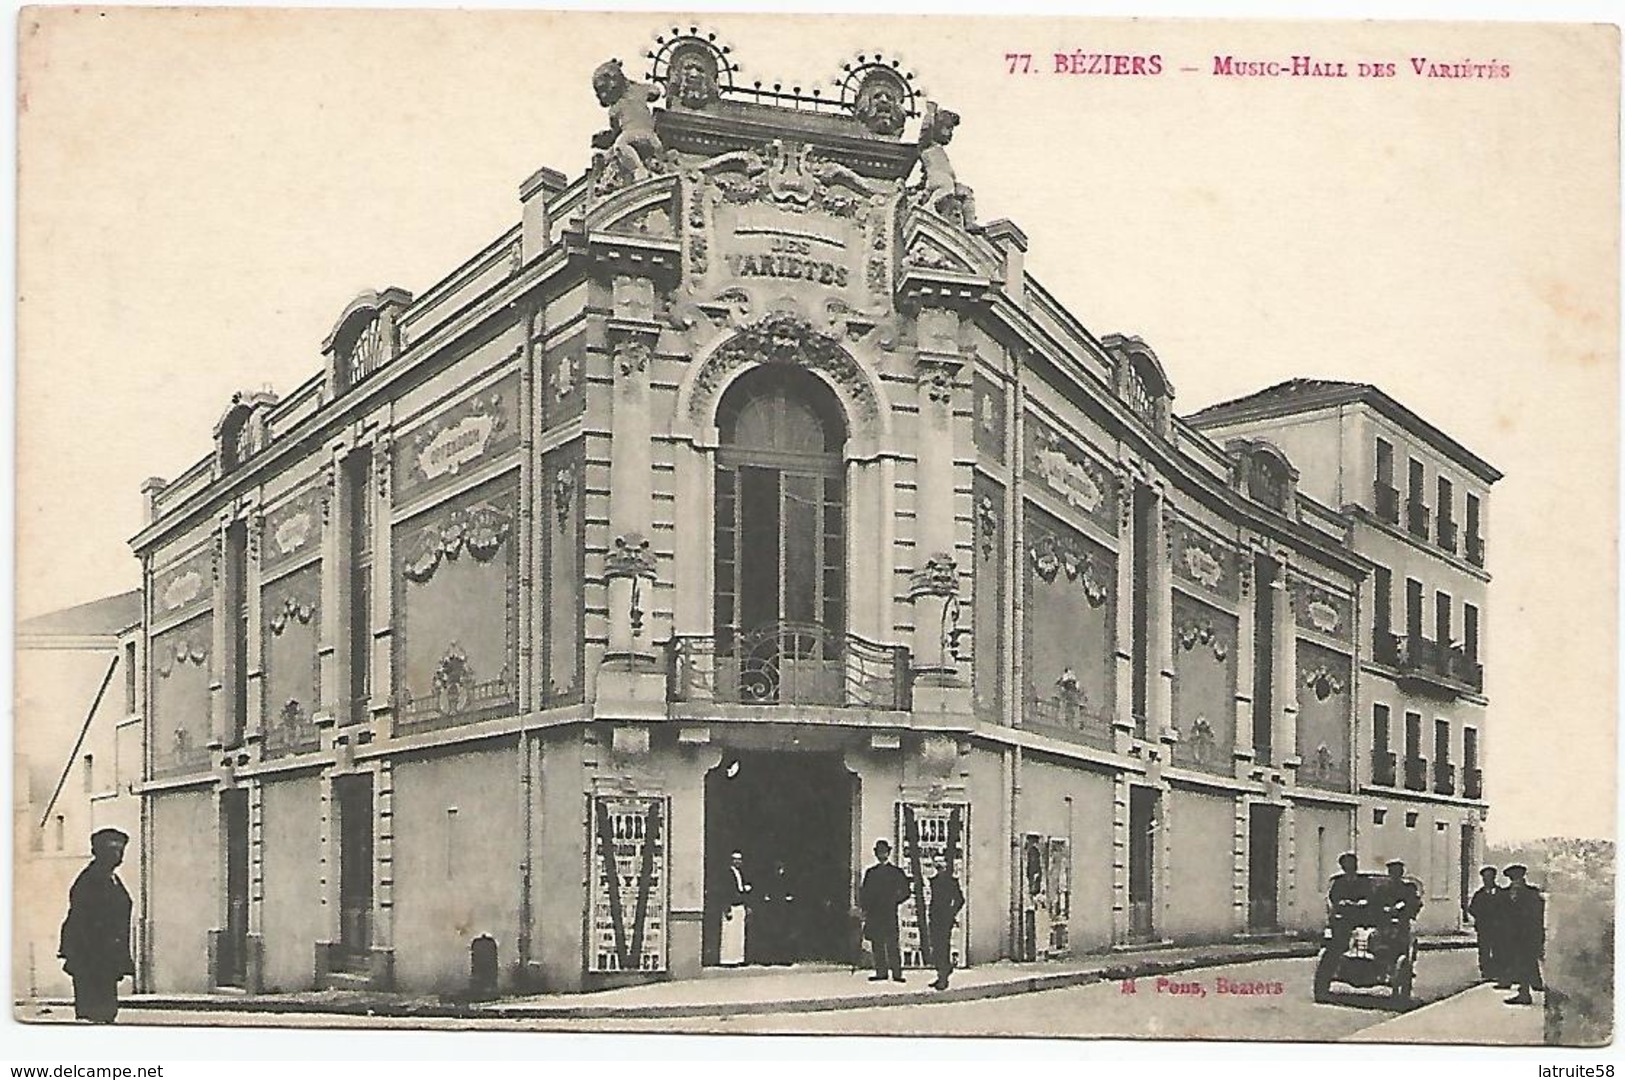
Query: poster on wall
x=925, y=831
x=627, y=849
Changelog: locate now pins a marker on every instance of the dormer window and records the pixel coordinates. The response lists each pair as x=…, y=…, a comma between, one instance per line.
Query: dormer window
x=365, y=338
x=1140, y=382
x=241, y=432
x=1263, y=474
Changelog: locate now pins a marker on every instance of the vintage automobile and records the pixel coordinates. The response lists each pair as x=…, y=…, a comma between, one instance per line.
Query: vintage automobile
x=1369, y=943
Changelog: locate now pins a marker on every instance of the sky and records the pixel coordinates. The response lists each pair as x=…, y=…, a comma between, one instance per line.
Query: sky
x=202, y=192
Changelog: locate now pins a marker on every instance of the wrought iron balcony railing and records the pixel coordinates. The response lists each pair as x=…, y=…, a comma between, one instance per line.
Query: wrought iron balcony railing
x=1387, y=497
x=1475, y=549
x=1447, y=534
x=1416, y=518
x=788, y=664
x=1416, y=774
x=1384, y=764
x=1444, y=778
x=1441, y=667
x=1472, y=783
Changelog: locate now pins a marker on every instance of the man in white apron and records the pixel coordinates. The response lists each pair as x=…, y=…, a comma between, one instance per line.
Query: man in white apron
x=734, y=913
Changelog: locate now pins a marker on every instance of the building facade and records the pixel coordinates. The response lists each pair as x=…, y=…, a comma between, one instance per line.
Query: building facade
x=747, y=495
x=78, y=764
x=1418, y=502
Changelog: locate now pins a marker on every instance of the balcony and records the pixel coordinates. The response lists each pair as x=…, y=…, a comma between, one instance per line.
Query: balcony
x=1431, y=666
x=1472, y=783
x=1388, y=503
x=788, y=664
x=1416, y=519
x=1444, y=778
x=1447, y=534
x=1416, y=774
x=1383, y=766
x=1475, y=549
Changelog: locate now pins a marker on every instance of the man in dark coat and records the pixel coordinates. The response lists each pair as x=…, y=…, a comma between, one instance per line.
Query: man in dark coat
x=1524, y=933
x=884, y=888
x=1344, y=894
x=1485, y=909
x=947, y=898
x=95, y=944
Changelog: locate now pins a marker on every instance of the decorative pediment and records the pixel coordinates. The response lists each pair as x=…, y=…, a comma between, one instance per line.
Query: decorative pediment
x=782, y=337
x=365, y=337
x=943, y=263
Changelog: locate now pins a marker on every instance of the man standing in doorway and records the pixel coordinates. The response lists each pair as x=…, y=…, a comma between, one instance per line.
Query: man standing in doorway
x=947, y=898
x=736, y=892
x=884, y=888
x=95, y=944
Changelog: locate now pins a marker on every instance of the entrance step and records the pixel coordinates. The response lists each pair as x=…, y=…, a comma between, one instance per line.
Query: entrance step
x=348, y=980
x=802, y=968
x=1137, y=946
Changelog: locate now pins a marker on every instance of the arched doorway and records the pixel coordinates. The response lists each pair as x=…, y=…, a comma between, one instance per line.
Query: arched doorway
x=780, y=540
x=789, y=815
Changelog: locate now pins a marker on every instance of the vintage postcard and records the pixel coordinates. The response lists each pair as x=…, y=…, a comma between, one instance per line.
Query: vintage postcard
x=810, y=524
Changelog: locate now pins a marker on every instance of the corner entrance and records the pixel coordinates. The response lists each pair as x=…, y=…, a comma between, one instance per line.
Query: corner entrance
x=789, y=815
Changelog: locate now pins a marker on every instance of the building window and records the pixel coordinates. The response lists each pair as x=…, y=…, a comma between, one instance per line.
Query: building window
x=780, y=603
x=1441, y=618
x=1410, y=819
x=1382, y=610
x=1382, y=758
x=1416, y=510
x=60, y=833
x=1475, y=537
x=237, y=609
x=131, y=684
x=358, y=515
x=1446, y=513
x=1387, y=496
x=1264, y=571
x=1145, y=520
x=1469, y=631
x=88, y=773
x=1378, y=815
x=1413, y=608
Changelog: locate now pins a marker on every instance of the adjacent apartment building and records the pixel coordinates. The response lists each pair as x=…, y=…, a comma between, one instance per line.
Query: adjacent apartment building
x=748, y=495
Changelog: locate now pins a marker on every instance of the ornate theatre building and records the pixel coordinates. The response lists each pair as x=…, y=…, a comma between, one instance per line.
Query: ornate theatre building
x=748, y=496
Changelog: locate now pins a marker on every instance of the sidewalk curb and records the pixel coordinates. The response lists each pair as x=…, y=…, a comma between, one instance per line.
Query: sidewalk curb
x=1109, y=970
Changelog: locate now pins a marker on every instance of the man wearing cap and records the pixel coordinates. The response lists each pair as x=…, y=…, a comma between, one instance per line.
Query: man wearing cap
x=1524, y=934
x=95, y=943
x=1485, y=908
x=884, y=887
x=1348, y=889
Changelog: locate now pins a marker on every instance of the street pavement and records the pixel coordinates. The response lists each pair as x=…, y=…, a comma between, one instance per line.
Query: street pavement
x=1200, y=1003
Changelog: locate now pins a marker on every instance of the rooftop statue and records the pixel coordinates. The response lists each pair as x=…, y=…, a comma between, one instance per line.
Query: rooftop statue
x=941, y=192
x=635, y=150
x=880, y=103
x=693, y=80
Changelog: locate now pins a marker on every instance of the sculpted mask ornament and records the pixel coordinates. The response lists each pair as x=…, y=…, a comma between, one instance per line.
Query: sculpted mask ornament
x=632, y=356
x=880, y=104
x=693, y=79
x=631, y=557
x=938, y=577
x=633, y=150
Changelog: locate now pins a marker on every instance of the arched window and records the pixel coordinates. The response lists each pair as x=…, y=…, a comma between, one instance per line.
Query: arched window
x=780, y=538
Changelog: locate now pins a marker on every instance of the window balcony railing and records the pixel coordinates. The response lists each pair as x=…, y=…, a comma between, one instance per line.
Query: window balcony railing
x=1383, y=767
x=1472, y=783
x=1416, y=774
x=1444, y=778
x=1441, y=667
x=1068, y=711
x=1447, y=534
x=1388, y=503
x=788, y=664
x=1475, y=549
x=1416, y=519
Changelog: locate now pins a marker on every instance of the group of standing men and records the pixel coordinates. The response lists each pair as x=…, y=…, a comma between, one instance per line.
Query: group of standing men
x=1511, y=924
x=885, y=887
